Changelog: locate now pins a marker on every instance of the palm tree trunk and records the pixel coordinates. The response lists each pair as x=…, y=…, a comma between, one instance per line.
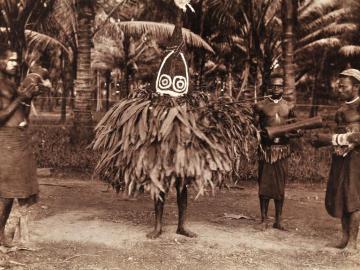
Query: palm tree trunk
x=126, y=68
x=289, y=12
x=68, y=86
x=107, y=88
x=98, y=92
x=317, y=86
x=83, y=100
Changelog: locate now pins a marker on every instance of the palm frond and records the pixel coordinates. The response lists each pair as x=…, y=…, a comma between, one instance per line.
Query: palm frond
x=319, y=44
x=318, y=8
x=350, y=50
x=331, y=17
x=157, y=30
x=64, y=14
x=222, y=12
x=273, y=9
x=331, y=30
x=40, y=41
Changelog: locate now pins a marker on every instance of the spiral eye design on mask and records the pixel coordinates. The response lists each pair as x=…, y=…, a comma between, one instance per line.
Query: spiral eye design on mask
x=165, y=82
x=179, y=84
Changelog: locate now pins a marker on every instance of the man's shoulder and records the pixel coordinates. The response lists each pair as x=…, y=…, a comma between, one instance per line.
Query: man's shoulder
x=290, y=105
x=6, y=84
x=260, y=104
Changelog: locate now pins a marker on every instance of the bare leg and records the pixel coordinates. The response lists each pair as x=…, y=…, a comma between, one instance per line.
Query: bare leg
x=22, y=235
x=159, y=208
x=182, y=206
x=278, y=212
x=5, y=209
x=353, y=231
x=264, y=205
x=345, y=223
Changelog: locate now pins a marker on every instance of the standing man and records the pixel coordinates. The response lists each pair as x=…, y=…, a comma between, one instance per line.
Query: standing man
x=343, y=189
x=17, y=163
x=273, y=153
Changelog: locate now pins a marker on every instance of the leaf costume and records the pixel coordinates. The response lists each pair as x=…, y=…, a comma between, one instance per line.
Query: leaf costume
x=152, y=138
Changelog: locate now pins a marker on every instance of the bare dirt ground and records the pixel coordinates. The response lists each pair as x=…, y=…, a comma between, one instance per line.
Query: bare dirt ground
x=79, y=224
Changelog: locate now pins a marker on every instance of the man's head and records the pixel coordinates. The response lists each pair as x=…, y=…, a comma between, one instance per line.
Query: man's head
x=349, y=84
x=276, y=85
x=9, y=62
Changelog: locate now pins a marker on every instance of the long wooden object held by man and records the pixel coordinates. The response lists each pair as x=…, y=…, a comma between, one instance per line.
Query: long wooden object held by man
x=309, y=123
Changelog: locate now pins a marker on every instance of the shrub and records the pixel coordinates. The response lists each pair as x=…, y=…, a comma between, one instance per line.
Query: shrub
x=53, y=148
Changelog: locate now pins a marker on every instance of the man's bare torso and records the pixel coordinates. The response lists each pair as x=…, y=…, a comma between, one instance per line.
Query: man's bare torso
x=7, y=95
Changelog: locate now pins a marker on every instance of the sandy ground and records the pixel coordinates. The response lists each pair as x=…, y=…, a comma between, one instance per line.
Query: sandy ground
x=80, y=224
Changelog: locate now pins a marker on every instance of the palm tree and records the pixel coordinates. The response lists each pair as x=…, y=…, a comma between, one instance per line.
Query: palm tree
x=289, y=16
x=75, y=23
x=18, y=24
x=352, y=48
x=85, y=17
x=253, y=29
x=323, y=29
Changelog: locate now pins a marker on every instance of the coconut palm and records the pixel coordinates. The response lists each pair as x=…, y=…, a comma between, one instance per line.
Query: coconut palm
x=18, y=24
x=352, y=49
x=74, y=20
x=70, y=16
x=289, y=16
x=323, y=29
x=253, y=28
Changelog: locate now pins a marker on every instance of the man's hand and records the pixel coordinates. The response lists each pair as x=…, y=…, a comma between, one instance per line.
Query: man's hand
x=319, y=140
x=294, y=134
x=354, y=138
x=28, y=92
x=33, y=85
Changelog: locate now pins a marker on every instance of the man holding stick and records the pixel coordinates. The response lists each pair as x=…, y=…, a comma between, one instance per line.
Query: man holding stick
x=343, y=189
x=273, y=151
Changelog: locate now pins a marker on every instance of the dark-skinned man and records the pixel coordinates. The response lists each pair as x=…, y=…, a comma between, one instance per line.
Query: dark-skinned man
x=273, y=153
x=343, y=189
x=17, y=163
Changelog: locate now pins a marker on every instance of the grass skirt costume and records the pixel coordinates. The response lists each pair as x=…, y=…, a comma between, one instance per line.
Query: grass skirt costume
x=150, y=140
x=17, y=165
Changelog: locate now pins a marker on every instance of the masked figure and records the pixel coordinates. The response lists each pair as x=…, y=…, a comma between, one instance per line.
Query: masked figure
x=158, y=138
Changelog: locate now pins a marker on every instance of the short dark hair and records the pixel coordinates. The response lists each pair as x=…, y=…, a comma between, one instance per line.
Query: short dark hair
x=5, y=51
x=276, y=75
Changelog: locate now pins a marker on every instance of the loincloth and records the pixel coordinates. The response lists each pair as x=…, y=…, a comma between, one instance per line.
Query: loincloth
x=17, y=164
x=343, y=187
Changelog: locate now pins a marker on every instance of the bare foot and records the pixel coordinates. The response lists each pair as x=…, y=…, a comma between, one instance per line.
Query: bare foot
x=341, y=244
x=154, y=234
x=349, y=250
x=278, y=226
x=264, y=220
x=186, y=233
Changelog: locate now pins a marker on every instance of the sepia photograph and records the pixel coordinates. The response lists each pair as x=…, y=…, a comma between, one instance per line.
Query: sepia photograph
x=179, y=134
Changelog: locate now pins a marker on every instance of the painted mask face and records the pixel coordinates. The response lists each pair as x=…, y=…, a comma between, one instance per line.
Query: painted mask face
x=173, y=75
x=182, y=4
